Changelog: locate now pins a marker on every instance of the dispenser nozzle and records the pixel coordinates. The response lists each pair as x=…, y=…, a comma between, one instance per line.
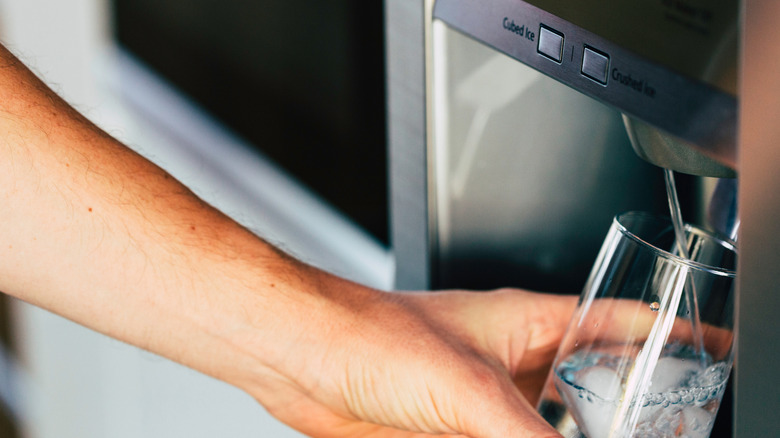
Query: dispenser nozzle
x=668, y=152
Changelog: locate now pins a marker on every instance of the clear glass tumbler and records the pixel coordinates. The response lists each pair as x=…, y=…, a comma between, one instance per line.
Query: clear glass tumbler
x=634, y=361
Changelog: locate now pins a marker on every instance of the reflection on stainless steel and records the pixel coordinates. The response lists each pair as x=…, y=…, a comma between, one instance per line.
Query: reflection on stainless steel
x=478, y=92
x=675, y=73
x=526, y=173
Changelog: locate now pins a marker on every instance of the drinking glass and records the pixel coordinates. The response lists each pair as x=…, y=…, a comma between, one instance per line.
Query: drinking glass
x=635, y=362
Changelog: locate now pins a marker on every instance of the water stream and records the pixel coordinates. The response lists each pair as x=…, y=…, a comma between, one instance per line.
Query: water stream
x=689, y=290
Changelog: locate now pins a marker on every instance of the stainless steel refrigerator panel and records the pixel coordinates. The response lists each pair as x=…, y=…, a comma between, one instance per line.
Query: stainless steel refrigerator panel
x=527, y=172
x=405, y=35
x=670, y=75
x=758, y=348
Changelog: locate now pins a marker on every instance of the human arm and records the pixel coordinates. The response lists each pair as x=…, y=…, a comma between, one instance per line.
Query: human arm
x=95, y=233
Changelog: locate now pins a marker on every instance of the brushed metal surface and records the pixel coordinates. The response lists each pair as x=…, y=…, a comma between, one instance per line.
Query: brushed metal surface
x=405, y=45
x=595, y=65
x=758, y=342
x=686, y=107
x=550, y=44
x=528, y=173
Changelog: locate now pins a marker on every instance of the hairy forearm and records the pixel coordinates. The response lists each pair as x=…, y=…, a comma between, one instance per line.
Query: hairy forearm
x=94, y=232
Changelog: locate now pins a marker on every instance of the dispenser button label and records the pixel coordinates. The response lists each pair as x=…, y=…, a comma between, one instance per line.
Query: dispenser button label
x=520, y=30
x=637, y=84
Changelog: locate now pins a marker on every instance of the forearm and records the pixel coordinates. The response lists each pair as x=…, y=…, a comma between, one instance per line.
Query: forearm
x=94, y=232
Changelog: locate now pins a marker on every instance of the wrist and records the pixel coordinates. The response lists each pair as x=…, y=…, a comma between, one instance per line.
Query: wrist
x=288, y=326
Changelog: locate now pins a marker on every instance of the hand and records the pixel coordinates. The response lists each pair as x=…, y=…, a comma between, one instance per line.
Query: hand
x=103, y=237
x=433, y=363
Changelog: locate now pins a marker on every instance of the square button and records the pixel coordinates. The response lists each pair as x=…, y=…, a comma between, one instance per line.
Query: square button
x=550, y=44
x=595, y=65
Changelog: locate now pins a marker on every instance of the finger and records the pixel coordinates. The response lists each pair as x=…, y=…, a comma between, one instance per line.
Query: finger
x=507, y=323
x=525, y=332
x=309, y=416
x=500, y=411
x=625, y=321
x=522, y=330
x=546, y=319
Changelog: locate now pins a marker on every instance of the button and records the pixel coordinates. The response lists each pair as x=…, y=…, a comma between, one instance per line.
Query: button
x=595, y=65
x=550, y=43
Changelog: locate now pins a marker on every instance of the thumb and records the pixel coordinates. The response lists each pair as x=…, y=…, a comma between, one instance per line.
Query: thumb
x=497, y=409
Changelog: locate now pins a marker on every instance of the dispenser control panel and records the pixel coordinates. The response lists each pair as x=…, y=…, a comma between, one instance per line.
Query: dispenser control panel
x=596, y=66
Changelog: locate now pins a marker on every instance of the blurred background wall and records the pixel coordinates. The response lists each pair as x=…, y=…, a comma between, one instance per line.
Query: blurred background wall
x=271, y=110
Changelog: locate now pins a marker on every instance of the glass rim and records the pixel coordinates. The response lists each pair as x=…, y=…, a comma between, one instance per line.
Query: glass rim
x=716, y=270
